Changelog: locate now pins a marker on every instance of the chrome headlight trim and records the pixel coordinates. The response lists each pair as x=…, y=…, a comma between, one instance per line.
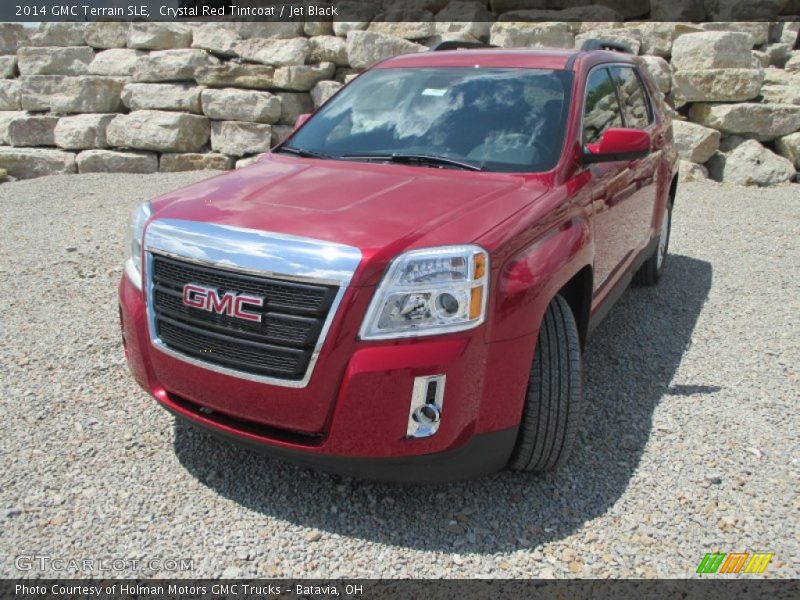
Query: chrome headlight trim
x=133, y=264
x=391, y=285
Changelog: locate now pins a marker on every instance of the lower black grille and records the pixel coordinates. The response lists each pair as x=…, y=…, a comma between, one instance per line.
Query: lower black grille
x=280, y=345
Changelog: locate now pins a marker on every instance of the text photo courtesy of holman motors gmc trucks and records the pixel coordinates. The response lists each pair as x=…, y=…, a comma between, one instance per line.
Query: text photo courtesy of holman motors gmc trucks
x=402, y=289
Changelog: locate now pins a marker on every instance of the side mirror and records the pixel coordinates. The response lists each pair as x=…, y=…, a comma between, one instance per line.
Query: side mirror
x=300, y=120
x=618, y=143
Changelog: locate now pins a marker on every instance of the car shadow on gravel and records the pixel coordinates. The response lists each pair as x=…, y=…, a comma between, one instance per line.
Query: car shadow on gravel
x=629, y=365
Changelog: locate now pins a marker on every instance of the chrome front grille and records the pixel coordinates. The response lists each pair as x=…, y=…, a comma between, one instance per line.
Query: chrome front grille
x=301, y=282
x=280, y=345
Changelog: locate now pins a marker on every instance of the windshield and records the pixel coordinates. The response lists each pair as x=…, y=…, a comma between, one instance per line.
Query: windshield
x=508, y=120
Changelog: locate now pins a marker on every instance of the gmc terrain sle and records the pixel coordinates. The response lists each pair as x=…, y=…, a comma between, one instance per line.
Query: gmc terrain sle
x=402, y=289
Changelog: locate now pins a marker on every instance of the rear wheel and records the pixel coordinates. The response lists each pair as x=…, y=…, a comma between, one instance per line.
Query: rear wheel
x=650, y=272
x=553, y=400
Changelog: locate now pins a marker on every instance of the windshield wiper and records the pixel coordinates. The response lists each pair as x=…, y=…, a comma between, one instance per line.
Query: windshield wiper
x=302, y=152
x=422, y=159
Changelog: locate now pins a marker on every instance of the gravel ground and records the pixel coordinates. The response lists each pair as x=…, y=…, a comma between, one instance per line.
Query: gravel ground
x=690, y=443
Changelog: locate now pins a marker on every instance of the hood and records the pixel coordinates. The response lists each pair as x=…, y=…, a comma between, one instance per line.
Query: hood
x=382, y=209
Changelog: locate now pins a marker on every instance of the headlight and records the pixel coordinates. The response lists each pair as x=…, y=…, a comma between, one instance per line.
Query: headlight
x=430, y=291
x=133, y=266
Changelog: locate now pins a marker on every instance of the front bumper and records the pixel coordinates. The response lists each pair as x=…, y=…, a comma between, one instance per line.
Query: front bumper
x=353, y=415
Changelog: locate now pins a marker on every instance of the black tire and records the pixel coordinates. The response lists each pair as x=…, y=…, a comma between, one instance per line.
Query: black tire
x=652, y=269
x=553, y=401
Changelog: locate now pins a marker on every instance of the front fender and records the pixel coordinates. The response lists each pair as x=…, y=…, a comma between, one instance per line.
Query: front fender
x=530, y=278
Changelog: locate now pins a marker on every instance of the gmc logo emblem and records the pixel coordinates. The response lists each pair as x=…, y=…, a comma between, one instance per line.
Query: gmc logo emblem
x=231, y=304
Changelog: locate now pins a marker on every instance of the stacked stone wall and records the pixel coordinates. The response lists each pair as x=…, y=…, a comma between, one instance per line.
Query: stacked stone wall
x=146, y=97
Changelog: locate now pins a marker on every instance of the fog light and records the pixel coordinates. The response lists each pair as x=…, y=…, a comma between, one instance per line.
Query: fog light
x=425, y=412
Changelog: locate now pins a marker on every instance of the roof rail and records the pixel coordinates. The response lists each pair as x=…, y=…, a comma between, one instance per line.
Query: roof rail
x=599, y=44
x=457, y=45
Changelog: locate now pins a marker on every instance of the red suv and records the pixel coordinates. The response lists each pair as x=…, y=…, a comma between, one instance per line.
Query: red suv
x=402, y=289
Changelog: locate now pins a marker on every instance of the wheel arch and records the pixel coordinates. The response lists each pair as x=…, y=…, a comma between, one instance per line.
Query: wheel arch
x=578, y=294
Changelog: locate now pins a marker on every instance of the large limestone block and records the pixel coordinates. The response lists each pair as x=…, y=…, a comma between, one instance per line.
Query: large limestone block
x=758, y=31
x=107, y=34
x=111, y=161
x=172, y=65
x=786, y=31
x=162, y=96
x=220, y=39
x=365, y=48
x=159, y=36
x=689, y=171
x=328, y=48
x=657, y=38
x=323, y=91
x=32, y=131
x=789, y=147
x=778, y=54
x=26, y=163
x=241, y=105
x=236, y=138
x=10, y=94
x=120, y=62
x=409, y=24
x=293, y=105
x=82, y=132
x=8, y=67
x=760, y=121
x=302, y=78
x=230, y=74
x=66, y=95
x=751, y=164
x=70, y=60
x=359, y=15
x=695, y=142
x=793, y=64
x=173, y=163
x=716, y=85
x=12, y=36
x=276, y=53
x=6, y=117
x=270, y=30
x=781, y=94
x=464, y=17
x=660, y=71
x=532, y=35
x=160, y=131
x=712, y=50
x=59, y=34
x=315, y=28
x=343, y=28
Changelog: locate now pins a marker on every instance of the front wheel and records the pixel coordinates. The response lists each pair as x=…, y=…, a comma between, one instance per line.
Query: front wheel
x=553, y=401
x=652, y=269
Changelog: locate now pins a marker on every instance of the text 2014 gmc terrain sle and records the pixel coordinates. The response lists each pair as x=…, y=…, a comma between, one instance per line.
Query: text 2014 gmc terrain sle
x=402, y=289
